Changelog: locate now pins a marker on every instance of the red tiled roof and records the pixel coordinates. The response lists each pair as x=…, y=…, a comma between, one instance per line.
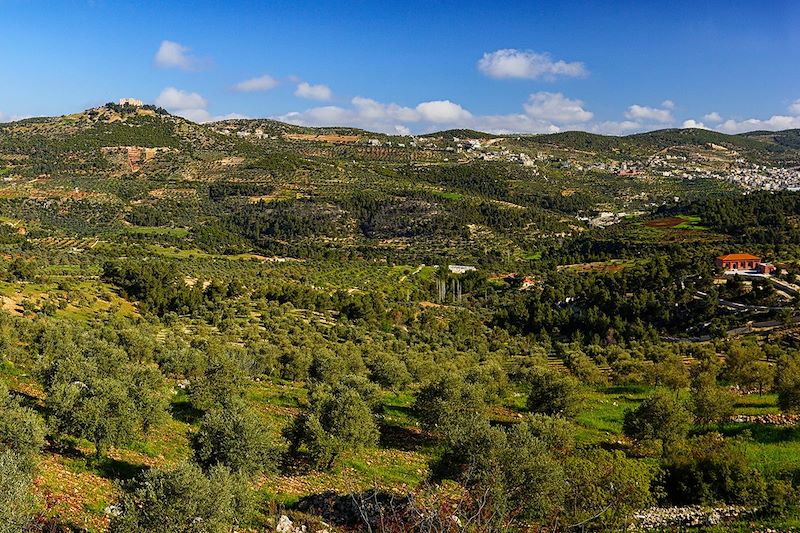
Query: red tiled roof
x=739, y=257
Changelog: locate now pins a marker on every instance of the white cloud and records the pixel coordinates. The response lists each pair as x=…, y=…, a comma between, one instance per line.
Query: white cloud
x=443, y=112
x=195, y=115
x=668, y=104
x=395, y=119
x=544, y=112
x=230, y=116
x=371, y=109
x=5, y=117
x=261, y=83
x=650, y=114
x=174, y=99
x=313, y=92
x=773, y=123
x=191, y=106
x=692, y=123
x=555, y=107
x=712, y=117
x=612, y=127
x=512, y=123
x=527, y=64
x=175, y=55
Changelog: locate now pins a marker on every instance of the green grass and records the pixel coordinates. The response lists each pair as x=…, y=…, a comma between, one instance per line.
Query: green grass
x=454, y=196
x=692, y=222
x=601, y=417
x=772, y=449
x=532, y=256
x=397, y=408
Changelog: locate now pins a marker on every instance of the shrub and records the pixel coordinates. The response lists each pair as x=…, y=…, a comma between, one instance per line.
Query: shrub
x=183, y=500
x=17, y=504
x=235, y=437
x=659, y=417
x=712, y=469
x=554, y=394
x=336, y=421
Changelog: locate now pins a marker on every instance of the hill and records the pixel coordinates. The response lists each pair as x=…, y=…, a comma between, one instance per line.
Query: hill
x=247, y=318
x=273, y=188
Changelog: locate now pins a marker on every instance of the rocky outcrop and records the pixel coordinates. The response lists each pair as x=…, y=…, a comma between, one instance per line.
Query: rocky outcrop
x=777, y=419
x=689, y=516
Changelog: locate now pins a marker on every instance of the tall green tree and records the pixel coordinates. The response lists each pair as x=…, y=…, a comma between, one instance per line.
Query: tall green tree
x=787, y=382
x=18, y=507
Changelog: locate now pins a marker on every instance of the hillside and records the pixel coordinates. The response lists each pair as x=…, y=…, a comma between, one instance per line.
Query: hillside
x=277, y=189
x=252, y=322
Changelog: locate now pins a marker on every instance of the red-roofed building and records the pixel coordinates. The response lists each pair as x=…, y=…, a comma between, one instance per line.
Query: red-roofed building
x=741, y=262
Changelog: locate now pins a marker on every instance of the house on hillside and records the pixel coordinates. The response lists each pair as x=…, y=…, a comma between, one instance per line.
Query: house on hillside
x=744, y=262
x=460, y=269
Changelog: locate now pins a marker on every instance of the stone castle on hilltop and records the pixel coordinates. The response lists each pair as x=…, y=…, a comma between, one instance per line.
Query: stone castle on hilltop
x=131, y=101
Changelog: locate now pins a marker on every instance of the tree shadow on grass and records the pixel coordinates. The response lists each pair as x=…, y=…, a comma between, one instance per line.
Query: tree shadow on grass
x=111, y=468
x=107, y=467
x=763, y=433
x=627, y=389
x=297, y=464
x=30, y=401
x=764, y=404
x=403, y=438
x=183, y=411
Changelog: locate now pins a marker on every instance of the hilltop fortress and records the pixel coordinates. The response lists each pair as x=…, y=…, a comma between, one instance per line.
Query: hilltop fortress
x=131, y=101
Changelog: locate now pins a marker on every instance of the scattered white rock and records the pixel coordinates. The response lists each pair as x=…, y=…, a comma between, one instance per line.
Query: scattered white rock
x=689, y=516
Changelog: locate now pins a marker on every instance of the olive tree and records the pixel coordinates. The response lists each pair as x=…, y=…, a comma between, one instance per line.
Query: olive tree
x=236, y=437
x=21, y=429
x=710, y=403
x=337, y=420
x=17, y=505
x=554, y=394
x=183, y=500
x=787, y=383
x=660, y=417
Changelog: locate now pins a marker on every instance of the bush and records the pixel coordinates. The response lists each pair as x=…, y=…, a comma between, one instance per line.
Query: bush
x=235, y=437
x=556, y=433
x=337, y=421
x=21, y=429
x=554, y=394
x=787, y=383
x=710, y=403
x=512, y=471
x=712, y=469
x=605, y=487
x=659, y=417
x=183, y=499
x=17, y=504
x=447, y=402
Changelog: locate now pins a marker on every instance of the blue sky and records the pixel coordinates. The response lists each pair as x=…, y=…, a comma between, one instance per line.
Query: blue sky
x=610, y=67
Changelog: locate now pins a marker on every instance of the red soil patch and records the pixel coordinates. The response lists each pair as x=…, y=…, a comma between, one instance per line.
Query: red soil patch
x=663, y=223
